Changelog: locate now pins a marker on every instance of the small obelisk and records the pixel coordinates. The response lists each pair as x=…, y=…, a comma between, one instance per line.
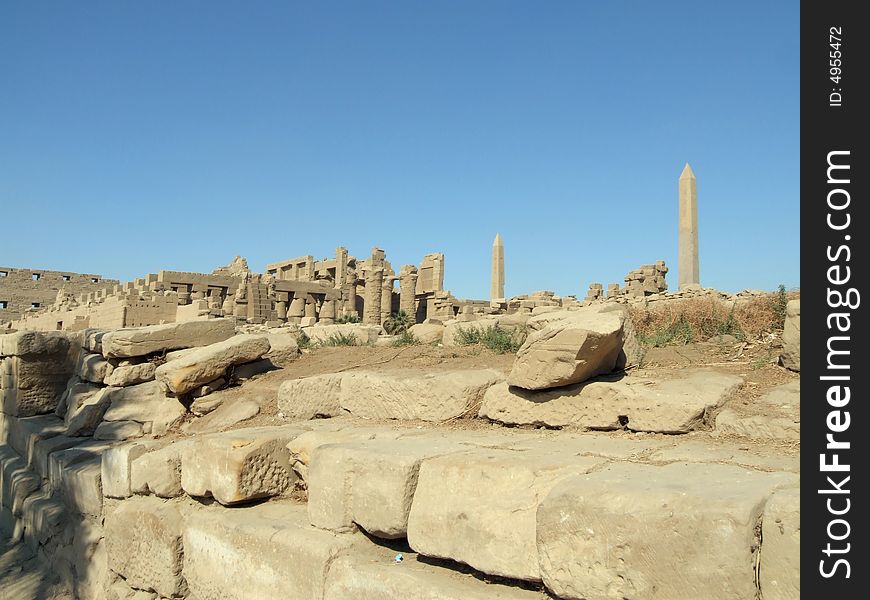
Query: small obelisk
x=688, y=250
x=496, y=291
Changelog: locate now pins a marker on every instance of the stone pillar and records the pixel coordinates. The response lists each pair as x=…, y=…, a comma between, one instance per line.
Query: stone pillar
x=296, y=310
x=688, y=241
x=407, y=290
x=281, y=310
x=387, y=298
x=311, y=306
x=496, y=290
x=374, y=291
x=327, y=312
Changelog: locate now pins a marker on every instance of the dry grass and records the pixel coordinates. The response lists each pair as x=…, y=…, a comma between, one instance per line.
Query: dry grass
x=698, y=319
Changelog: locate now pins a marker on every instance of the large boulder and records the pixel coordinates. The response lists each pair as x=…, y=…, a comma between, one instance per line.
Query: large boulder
x=363, y=334
x=791, y=337
x=566, y=347
x=637, y=404
x=140, y=341
x=210, y=362
x=146, y=403
x=644, y=531
x=427, y=333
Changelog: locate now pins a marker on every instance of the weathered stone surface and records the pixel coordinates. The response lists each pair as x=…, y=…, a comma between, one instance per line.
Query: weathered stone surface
x=144, y=545
x=78, y=485
x=119, y=430
x=34, y=343
x=478, y=507
x=144, y=403
x=669, y=406
x=284, y=348
x=265, y=552
x=569, y=347
x=141, y=341
x=226, y=415
x=43, y=448
x=642, y=531
x=93, y=368
x=33, y=384
x=779, y=578
x=86, y=405
x=24, y=433
x=791, y=337
x=364, y=334
x=427, y=333
x=370, y=483
x=17, y=480
x=375, y=576
x=302, y=448
x=204, y=405
x=251, y=369
x=776, y=415
x=131, y=374
x=310, y=397
x=435, y=396
x=115, y=467
x=210, y=362
x=158, y=472
x=239, y=465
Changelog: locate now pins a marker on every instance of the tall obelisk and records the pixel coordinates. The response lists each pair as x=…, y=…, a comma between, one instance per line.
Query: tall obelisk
x=496, y=291
x=688, y=250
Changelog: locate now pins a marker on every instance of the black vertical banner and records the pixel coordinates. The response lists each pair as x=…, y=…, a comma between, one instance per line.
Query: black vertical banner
x=835, y=422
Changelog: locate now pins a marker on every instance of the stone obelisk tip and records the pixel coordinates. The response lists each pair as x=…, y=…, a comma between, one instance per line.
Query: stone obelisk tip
x=687, y=173
x=498, y=241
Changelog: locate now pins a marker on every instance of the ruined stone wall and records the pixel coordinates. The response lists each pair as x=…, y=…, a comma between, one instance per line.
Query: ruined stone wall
x=20, y=289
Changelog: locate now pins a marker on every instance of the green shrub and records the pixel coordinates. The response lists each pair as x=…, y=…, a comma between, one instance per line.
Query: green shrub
x=779, y=303
x=494, y=338
x=349, y=318
x=398, y=323
x=303, y=341
x=340, y=339
x=677, y=332
x=406, y=338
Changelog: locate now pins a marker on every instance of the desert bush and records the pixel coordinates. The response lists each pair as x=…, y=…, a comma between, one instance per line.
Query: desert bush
x=398, y=323
x=303, y=341
x=340, y=339
x=695, y=319
x=349, y=318
x=406, y=338
x=493, y=337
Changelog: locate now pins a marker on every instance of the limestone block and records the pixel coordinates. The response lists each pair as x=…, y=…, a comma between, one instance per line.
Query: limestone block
x=144, y=545
x=131, y=374
x=119, y=430
x=43, y=449
x=244, y=553
x=791, y=337
x=93, y=368
x=643, y=531
x=17, y=480
x=34, y=343
x=204, y=405
x=780, y=549
x=248, y=370
x=210, y=362
x=24, y=433
x=364, y=334
x=226, y=415
x=142, y=341
x=309, y=397
x=144, y=403
x=373, y=575
x=86, y=405
x=370, y=483
x=33, y=384
x=401, y=394
x=284, y=347
x=572, y=348
x=239, y=465
x=79, y=486
x=427, y=333
x=478, y=507
x=115, y=467
x=158, y=471
x=637, y=404
x=43, y=516
x=302, y=448
x=92, y=340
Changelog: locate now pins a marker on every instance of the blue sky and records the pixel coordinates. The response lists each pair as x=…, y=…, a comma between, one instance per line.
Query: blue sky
x=138, y=136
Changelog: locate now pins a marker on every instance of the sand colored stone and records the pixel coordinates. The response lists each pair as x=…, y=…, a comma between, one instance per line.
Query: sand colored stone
x=688, y=269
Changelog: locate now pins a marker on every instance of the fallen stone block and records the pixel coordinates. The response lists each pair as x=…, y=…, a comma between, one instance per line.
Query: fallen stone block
x=642, y=531
x=478, y=507
x=210, y=362
x=123, y=376
x=408, y=395
x=374, y=575
x=239, y=465
x=310, y=397
x=144, y=403
x=119, y=430
x=302, y=448
x=284, y=348
x=141, y=341
x=669, y=406
x=93, y=368
x=779, y=577
x=86, y=405
x=427, y=333
x=243, y=553
x=144, y=545
x=115, y=467
x=158, y=471
x=226, y=415
x=569, y=347
x=370, y=483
